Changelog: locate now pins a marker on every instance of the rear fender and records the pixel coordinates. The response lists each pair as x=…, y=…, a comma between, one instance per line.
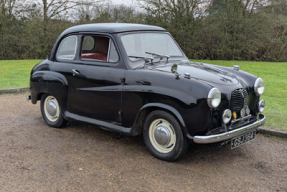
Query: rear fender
x=49, y=82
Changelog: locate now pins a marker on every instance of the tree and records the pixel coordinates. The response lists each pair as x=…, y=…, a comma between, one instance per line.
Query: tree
x=181, y=18
x=52, y=9
x=84, y=10
x=7, y=22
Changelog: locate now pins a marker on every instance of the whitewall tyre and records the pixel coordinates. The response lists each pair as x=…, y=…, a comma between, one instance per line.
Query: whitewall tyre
x=52, y=112
x=163, y=136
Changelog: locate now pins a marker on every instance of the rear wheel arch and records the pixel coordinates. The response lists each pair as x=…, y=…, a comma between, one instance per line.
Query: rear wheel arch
x=54, y=118
x=62, y=97
x=47, y=82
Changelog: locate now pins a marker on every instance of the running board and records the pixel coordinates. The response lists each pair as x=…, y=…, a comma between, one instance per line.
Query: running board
x=104, y=125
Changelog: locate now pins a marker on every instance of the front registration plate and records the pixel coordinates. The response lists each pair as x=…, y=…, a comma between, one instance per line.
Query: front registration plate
x=237, y=141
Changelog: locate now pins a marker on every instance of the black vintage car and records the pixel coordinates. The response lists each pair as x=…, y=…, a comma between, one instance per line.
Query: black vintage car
x=134, y=79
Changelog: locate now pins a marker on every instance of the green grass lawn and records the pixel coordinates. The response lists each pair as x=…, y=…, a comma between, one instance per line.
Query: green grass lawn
x=16, y=74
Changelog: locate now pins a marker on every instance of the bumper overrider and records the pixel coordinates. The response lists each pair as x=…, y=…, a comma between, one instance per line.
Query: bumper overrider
x=230, y=134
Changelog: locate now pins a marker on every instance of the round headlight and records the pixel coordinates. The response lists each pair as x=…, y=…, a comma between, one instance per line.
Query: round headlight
x=261, y=105
x=259, y=86
x=214, y=98
x=226, y=116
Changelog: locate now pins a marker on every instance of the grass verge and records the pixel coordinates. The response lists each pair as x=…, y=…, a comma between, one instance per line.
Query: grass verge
x=15, y=73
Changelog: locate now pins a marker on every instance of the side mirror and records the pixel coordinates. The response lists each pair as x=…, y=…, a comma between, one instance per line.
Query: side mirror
x=174, y=68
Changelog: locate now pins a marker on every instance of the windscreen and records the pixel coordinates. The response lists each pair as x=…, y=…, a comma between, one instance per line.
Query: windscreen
x=138, y=44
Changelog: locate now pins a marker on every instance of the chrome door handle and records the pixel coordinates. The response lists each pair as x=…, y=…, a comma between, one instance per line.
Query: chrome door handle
x=76, y=72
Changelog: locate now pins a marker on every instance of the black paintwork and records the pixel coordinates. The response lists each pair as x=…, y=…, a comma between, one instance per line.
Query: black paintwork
x=117, y=98
x=111, y=28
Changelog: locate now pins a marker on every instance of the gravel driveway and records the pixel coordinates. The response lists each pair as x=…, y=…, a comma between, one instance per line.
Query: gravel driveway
x=82, y=157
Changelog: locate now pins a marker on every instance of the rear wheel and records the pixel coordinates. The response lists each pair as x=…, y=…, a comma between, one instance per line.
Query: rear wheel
x=163, y=136
x=52, y=112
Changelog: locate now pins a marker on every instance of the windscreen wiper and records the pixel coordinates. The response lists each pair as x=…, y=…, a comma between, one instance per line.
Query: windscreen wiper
x=148, y=60
x=145, y=58
x=160, y=55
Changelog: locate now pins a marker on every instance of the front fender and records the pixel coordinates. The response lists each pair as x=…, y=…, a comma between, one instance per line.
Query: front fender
x=187, y=97
x=169, y=109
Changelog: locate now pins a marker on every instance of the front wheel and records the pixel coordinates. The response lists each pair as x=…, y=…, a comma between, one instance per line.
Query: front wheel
x=52, y=112
x=163, y=136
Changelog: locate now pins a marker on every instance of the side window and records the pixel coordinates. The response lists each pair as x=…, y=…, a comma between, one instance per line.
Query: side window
x=96, y=48
x=67, y=48
x=113, y=54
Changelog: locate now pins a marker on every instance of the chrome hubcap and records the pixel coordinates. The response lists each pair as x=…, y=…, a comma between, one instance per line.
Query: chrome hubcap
x=51, y=108
x=162, y=136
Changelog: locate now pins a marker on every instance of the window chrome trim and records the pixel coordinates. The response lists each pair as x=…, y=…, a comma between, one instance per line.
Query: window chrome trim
x=108, y=57
x=61, y=45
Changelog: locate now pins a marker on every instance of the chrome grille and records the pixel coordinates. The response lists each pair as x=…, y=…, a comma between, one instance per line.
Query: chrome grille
x=239, y=99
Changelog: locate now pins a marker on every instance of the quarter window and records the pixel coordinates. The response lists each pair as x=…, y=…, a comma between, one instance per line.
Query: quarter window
x=113, y=55
x=67, y=48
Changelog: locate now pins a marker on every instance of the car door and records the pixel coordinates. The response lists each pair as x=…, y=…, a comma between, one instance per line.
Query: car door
x=95, y=76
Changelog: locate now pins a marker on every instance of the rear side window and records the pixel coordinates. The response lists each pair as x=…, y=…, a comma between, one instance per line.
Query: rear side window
x=67, y=48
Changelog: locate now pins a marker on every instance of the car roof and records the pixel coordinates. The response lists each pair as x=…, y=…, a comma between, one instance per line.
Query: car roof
x=111, y=28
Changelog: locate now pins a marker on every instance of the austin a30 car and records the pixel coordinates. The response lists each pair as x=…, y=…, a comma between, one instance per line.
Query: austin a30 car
x=135, y=79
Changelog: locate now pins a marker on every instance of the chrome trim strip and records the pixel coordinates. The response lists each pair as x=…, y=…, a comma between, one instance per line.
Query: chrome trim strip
x=230, y=134
x=108, y=57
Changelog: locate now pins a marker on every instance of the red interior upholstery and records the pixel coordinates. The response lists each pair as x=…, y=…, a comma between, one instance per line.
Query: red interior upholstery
x=96, y=56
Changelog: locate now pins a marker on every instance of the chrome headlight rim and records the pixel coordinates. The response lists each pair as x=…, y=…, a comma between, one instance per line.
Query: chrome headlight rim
x=259, y=82
x=261, y=105
x=214, y=98
x=226, y=116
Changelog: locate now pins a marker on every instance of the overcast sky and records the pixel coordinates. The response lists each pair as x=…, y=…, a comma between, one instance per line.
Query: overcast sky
x=126, y=2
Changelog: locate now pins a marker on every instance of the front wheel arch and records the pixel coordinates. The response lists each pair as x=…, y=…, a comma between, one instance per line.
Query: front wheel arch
x=148, y=108
x=168, y=148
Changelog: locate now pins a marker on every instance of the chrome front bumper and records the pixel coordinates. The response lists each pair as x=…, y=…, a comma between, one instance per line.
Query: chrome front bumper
x=230, y=134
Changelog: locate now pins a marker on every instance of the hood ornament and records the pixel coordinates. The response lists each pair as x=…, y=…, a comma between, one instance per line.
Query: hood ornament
x=236, y=67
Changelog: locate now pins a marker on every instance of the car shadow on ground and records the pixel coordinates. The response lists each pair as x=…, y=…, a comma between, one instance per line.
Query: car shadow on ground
x=208, y=152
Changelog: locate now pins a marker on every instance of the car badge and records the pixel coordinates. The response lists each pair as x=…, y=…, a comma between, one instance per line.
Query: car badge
x=242, y=112
x=247, y=111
